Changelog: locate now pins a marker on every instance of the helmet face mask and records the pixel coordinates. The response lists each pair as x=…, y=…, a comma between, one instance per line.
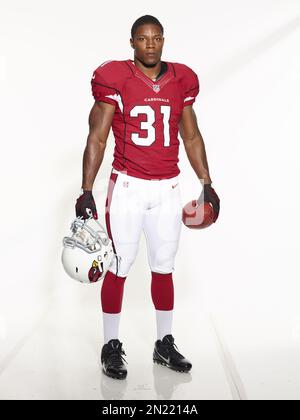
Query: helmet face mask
x=88, y=252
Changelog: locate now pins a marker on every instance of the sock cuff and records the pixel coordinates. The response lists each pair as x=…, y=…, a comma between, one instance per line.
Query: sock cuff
x=161, y=276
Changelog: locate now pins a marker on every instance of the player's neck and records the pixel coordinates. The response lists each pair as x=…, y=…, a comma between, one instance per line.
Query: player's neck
x=151, y=72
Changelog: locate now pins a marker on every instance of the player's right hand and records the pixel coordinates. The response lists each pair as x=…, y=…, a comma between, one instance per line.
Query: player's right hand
x=209, y=195
x=85, y=206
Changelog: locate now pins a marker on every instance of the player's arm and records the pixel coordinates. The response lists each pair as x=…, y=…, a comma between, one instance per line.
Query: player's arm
x=100, y=121
x=195, y=150
x=194, y=144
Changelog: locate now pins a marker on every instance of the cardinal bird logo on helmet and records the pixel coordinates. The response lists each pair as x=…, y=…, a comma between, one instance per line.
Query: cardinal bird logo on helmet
x=95, y=272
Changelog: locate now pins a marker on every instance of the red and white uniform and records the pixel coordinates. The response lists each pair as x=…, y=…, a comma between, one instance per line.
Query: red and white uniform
x=147, y=115
x=144, y=192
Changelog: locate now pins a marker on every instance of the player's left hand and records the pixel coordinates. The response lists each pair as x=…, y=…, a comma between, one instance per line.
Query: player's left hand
x=209, y=195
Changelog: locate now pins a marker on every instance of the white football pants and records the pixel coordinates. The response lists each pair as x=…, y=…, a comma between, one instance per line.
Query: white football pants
x=134, y=205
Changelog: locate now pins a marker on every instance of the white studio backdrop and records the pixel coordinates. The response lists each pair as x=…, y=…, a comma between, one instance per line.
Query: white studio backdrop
x=238, y=281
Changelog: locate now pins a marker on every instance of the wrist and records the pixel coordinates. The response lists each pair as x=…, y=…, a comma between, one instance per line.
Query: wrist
x=84, y=190
x=205, y=181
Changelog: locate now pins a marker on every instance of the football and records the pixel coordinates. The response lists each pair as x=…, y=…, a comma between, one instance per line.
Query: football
x=197, y=216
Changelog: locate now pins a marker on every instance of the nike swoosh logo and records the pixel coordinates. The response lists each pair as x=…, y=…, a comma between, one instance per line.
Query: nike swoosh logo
x=174, y=186
x=162, y=357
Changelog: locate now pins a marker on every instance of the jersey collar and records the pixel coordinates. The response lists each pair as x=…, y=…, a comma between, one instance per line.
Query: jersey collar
x=157, y=85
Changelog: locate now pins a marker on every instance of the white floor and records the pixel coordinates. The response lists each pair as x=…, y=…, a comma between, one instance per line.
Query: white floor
x=243, y=342
x=55, y=355
x=59, y=358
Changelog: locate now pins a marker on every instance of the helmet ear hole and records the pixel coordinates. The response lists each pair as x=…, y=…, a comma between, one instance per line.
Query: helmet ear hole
x=76, y=269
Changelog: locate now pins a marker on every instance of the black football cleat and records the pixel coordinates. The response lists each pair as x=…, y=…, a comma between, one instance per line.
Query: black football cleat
x=165, y=354
x=112, y=360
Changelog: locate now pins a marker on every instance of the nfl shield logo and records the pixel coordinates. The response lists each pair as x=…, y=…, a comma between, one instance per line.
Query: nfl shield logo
x=156, y=88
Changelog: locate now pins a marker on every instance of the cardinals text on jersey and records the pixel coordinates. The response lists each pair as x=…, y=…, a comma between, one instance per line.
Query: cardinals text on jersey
x=147, y=115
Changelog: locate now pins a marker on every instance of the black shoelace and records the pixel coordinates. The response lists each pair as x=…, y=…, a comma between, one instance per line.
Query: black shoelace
x=173, y=349
x=116, y=357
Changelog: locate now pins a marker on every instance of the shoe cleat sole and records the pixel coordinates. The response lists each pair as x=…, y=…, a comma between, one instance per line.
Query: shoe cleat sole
x=161, y=363
x=111, y=375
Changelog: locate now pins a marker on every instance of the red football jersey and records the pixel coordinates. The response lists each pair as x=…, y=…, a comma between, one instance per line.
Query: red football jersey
x=147, y=115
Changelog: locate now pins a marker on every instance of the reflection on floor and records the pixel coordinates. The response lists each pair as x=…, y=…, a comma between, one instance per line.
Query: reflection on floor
x=60, y=358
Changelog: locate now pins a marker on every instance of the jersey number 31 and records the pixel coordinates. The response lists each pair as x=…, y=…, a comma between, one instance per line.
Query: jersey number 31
x=148, y=125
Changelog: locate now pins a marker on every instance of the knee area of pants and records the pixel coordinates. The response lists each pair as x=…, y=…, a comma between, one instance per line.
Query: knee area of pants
x=163, y=259
x=162, y=266
x=120, y=273
x=123, y=269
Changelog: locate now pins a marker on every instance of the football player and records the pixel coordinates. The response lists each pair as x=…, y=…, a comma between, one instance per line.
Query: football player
x=146, y=101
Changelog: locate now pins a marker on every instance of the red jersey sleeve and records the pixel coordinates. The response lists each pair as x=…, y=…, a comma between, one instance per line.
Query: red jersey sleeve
x=104, y=88
x=189, y=83
x=191, y=87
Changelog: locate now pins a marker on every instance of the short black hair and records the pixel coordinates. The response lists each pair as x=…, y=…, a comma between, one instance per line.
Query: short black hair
x=143, y=21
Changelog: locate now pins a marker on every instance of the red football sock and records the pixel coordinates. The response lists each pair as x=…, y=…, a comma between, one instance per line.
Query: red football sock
x=112, y=293
x=162, y=291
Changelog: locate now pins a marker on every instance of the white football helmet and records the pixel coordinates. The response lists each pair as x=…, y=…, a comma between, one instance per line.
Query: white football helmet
x=88, y=252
